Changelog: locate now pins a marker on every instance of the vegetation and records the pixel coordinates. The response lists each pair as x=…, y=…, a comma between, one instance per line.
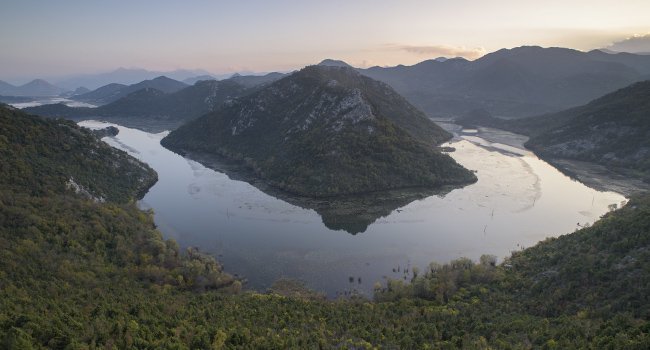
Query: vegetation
x=326, y=131
x=44, y=156
x=611, y=130
x=77, y=273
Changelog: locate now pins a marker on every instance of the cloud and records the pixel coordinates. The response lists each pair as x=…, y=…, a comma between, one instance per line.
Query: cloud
x=635, y=43
x=440, y=50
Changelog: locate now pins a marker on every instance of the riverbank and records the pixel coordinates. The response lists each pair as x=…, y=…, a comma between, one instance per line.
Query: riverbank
x=592, y=175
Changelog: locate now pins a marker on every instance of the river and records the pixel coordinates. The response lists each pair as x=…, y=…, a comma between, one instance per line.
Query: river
x=517, y=201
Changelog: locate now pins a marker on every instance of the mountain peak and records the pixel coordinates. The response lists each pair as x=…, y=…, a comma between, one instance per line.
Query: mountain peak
x=334, y=63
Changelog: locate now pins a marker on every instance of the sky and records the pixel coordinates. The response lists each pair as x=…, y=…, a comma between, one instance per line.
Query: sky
x=60, y=38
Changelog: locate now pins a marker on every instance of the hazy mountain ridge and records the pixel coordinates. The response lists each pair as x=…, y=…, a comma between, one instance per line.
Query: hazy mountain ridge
x=125, y=76
x=113, y=92
x=153, y=109
x=339, y=133
x=194, y=80
x=34, y=88
x=518, y=82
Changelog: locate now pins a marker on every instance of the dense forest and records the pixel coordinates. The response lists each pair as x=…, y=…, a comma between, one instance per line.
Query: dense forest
x=77, y=272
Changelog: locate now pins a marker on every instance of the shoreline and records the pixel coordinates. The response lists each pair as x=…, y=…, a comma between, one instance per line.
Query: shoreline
x=591, y=175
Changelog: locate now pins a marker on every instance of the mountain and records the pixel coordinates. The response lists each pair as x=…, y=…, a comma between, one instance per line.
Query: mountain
x=35, y=88
x=326, y=131
x=256, y=80
x=108, y=92
x=113, y=92
x=80, y=90
x=613, y=130
x=125, y=76
x=193, y=80
x=150, y=108
x=518, y=82
x=333, y=63
x=6, y=89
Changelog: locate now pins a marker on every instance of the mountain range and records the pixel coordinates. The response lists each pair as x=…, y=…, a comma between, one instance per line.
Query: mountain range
x=325, y=131
x=35, y=88
x=113, y=92
x=127, y=76
x=148, y=107
x=512, y=83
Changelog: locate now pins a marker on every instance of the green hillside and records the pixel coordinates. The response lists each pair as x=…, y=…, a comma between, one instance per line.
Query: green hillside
x=326, y=131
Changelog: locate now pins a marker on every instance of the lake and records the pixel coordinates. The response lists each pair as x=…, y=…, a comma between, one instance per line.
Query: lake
x=52, y=100
x=517, y=201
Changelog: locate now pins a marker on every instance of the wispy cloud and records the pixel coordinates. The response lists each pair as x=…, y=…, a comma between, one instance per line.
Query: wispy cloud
x=439, y=50
x=635, y=43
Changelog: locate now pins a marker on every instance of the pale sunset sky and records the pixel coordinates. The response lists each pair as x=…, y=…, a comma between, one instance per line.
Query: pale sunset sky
x=58, y=38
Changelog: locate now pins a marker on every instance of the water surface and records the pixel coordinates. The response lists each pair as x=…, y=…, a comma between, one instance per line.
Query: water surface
x=517, y=201
x=52, y=100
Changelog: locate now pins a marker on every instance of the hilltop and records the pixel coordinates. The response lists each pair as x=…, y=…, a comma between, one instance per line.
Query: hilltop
x=326, y=131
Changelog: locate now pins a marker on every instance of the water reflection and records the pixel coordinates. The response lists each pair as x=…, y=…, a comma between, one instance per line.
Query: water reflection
x=517, y=201
x=352, y=214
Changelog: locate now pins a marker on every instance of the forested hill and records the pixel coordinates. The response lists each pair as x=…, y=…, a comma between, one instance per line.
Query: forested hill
x=51, y=156
x=326, y=131
x=74, y=248
x=613, y=130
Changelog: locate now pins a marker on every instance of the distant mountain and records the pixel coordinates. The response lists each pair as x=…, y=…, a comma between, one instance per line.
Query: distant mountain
x=35, y=88
x=325, y=131
x=6, y=89
x=80, y=90
x=104, y=94
x=256, y=80
x=152, y=109
x=193, y=80
x=519, y=82
x=334, y=63
x=125, y=76
x=113, y=92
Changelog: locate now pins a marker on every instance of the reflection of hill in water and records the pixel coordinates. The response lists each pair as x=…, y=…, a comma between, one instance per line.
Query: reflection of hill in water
x=352, y=214
x=355, y=213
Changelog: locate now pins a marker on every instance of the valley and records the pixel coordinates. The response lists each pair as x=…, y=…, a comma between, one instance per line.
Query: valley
x=324, y=175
